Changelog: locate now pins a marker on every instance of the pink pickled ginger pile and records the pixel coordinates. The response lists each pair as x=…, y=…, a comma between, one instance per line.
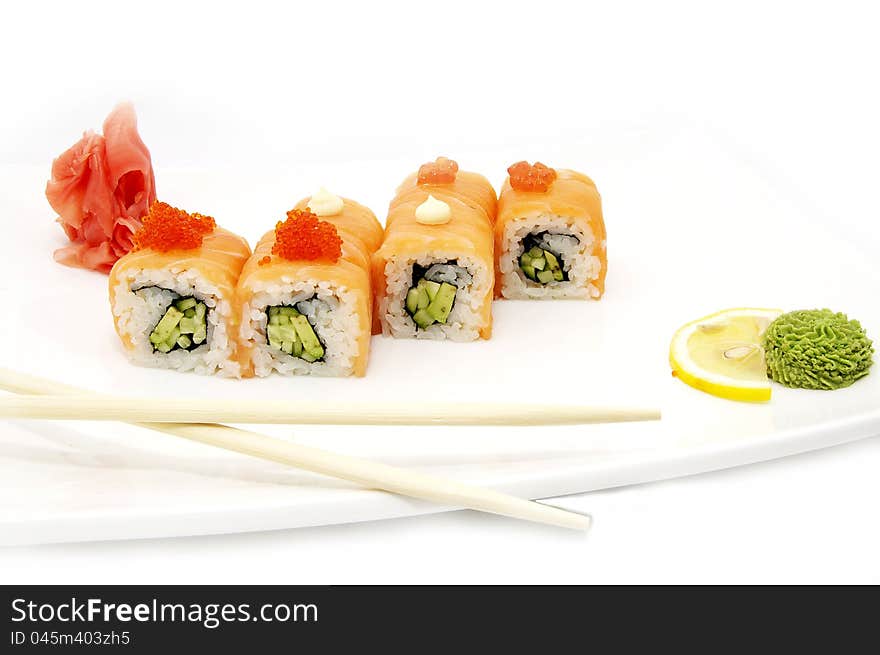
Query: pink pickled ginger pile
x=101, y=188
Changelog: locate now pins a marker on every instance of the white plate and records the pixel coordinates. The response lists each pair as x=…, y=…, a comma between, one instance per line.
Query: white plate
x=691, y=230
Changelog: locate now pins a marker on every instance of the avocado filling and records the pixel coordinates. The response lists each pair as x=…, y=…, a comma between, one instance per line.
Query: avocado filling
x=542, y=260
x=432, y=296
x=183, y=327
x=289, y=331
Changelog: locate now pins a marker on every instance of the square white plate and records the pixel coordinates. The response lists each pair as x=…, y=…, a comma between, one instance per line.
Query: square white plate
x=691, y=230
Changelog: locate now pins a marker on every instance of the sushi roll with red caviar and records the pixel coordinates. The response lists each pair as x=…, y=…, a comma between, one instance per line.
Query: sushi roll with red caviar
x=434, y=274
x=305, y=297
x=172, y=296
x=550, y=235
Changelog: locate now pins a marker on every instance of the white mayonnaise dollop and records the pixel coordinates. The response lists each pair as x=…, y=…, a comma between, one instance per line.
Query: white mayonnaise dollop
x=324, y=203
x=433, y=212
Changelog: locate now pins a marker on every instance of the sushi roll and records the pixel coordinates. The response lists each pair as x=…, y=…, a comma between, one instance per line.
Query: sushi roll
x=434, y=273
x=172, y=297
x=305, y=296
x=550, y=235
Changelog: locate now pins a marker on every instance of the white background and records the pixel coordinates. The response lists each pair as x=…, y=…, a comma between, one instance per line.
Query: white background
x=794, y=85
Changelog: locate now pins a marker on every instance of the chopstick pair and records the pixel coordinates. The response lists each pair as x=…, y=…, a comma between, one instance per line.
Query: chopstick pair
x=69, y=402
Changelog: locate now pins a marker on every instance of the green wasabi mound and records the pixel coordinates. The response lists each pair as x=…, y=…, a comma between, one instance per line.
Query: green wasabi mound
x=816, y=349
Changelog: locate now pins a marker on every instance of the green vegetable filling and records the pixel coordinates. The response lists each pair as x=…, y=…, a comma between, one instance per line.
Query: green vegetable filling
x=430, y=302
x=291, y=332
x=817, y=349
x=184, y=326
x=541, y=265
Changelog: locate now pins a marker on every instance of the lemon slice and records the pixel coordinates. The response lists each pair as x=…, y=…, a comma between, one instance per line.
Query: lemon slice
x=722, y=354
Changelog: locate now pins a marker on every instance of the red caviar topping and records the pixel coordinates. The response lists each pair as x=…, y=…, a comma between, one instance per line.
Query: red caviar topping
x=439, y=171
x=168, y=228
x=525, y=177
x=304, y=236
x=264, y=261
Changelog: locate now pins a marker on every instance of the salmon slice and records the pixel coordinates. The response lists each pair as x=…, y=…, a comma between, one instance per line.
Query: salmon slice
x=356, y=219
x=471, y=188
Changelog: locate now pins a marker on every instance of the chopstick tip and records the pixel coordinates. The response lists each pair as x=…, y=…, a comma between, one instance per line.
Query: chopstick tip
x=570, y=518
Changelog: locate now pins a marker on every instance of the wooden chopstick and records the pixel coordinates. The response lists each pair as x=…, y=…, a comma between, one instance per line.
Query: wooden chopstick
x=195, y=410
x=373, y=475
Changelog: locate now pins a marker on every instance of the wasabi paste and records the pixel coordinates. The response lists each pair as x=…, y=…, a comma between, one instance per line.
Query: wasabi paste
x=816, y=349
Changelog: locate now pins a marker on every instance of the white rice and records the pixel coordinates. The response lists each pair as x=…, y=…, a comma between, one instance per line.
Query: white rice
x=464, y=321
x=141, y=299
x=579, y=263
x=333, y=315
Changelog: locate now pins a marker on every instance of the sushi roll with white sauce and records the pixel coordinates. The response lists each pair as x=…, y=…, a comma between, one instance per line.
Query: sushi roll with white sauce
x=434, y=274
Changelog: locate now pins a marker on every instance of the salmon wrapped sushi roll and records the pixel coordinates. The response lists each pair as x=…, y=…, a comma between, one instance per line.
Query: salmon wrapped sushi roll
x=434, y=274
x=305, y=296
x=550, y=235
x=172, y=297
